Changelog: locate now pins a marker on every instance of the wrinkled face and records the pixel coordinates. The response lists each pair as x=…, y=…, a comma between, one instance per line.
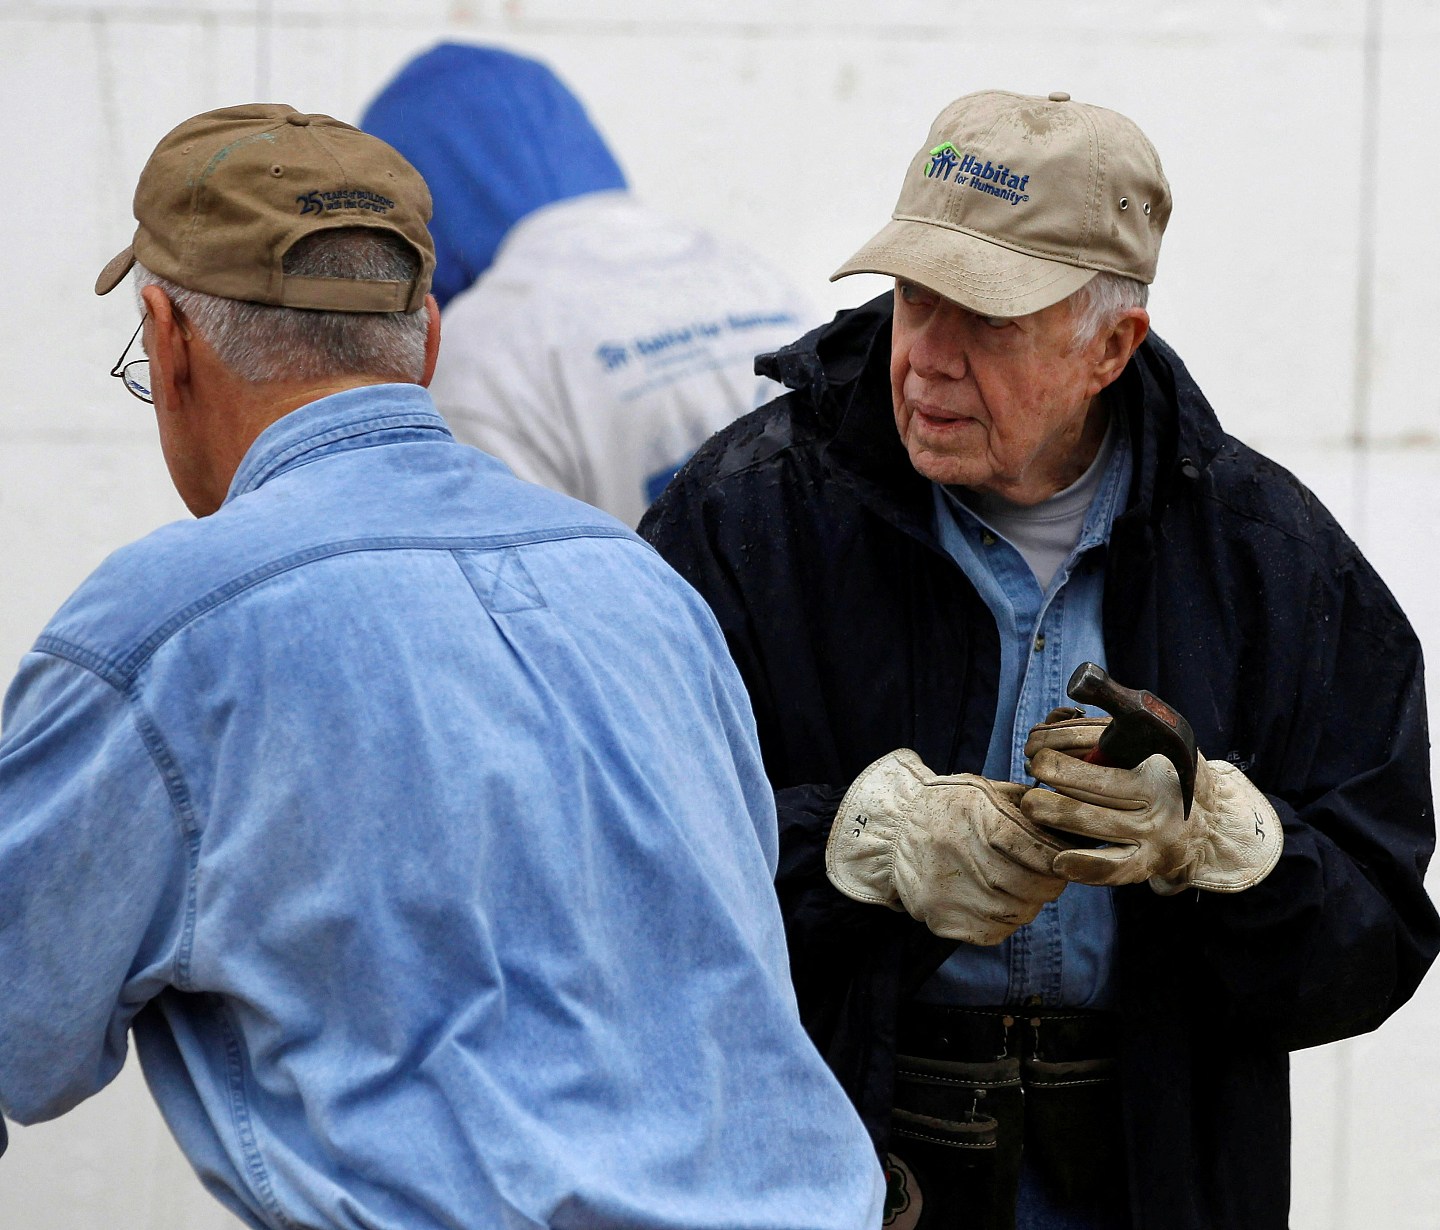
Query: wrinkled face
x=998, y=404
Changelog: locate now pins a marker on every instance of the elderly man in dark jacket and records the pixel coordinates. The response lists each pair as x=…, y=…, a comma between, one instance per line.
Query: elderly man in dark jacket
x=1063, y=1005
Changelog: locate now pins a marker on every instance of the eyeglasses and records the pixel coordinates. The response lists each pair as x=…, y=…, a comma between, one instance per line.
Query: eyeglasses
x=136, y=373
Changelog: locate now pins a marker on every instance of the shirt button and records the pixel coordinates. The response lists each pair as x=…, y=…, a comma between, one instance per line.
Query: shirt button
x=988, y=538
x=1040, y=643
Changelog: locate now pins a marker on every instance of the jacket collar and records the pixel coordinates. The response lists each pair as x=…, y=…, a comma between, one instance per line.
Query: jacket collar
x=1173, y=431
x=844, y=369
x=357, y=418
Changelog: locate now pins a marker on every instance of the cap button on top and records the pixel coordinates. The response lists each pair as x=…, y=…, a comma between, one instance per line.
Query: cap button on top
x=300, y=121
x=1059, y=96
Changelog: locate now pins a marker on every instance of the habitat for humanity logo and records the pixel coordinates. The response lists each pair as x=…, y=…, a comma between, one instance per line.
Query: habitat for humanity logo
x=344, y=198
x=1001, y=181
x=614, y=355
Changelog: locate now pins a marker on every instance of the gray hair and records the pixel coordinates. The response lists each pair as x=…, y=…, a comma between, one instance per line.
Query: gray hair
x=1095, y=306
x=260, y=342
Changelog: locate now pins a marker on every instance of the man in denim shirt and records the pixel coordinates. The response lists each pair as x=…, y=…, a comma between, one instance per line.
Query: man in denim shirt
x=1064, y=1005
x=410, y=815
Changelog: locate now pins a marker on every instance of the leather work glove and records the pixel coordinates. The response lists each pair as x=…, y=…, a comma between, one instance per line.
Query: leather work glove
x=1229, y=842
x=1067, y=729
x=954, y=852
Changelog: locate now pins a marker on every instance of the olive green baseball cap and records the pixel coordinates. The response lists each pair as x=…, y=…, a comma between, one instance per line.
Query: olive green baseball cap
x=1015, y=202
x=227, y=193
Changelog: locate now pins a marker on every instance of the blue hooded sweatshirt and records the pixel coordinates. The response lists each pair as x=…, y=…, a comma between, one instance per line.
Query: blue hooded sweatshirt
x=496, y=137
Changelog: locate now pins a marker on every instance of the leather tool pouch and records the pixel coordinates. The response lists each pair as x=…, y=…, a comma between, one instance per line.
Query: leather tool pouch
x=955, y=1145
x=1072, y=1139
x=960, y=1128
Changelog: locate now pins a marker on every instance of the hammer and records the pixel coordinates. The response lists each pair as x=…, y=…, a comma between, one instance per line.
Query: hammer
x=1143, y=725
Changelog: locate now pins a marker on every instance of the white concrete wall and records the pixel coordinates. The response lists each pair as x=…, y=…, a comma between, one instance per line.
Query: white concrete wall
x=1299, y=279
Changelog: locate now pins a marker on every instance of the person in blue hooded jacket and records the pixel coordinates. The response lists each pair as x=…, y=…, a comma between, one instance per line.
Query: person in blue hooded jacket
x=592, y=343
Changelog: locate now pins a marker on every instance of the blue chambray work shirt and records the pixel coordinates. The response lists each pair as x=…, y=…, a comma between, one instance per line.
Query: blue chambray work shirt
x=413, y=817
x=1066, y=956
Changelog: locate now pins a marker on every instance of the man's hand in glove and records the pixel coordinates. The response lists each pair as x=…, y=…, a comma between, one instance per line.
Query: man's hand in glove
x=954, y=852
x=1230, y=841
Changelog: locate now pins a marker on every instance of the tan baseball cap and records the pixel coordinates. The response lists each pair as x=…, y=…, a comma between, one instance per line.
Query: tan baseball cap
x=226, y=194
x=1015, y=202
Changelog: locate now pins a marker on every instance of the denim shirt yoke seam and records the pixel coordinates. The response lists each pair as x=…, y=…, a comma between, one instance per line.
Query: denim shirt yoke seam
x=128, y=666
x=106, y=668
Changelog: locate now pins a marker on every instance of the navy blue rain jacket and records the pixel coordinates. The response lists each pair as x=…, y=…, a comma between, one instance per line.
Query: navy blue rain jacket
x=1232, y=593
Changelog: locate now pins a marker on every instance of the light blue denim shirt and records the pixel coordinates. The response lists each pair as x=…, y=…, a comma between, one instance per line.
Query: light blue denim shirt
x=1066, y=956
x=413, y=817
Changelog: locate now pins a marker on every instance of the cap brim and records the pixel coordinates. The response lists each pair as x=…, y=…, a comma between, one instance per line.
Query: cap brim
x=973, y=272
x=114, y=273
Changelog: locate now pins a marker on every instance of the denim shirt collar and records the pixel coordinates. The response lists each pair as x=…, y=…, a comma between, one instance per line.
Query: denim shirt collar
x=355, y=418
x=1110, y=499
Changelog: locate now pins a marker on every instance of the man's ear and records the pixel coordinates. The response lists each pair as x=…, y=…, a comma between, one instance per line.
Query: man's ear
x=1116, y=347
x=432, y=339
x=167, y=346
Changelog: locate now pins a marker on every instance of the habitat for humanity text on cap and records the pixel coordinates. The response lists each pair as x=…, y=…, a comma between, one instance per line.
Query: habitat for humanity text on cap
x=1015, y=202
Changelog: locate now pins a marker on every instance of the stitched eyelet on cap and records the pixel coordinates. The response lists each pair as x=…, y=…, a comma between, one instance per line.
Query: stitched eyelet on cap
x=277, y=170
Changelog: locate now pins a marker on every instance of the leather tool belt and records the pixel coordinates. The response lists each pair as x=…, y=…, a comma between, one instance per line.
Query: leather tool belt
x=977, y=1090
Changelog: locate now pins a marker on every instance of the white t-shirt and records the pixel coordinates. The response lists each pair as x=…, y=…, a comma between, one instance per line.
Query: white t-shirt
x=606, y=343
